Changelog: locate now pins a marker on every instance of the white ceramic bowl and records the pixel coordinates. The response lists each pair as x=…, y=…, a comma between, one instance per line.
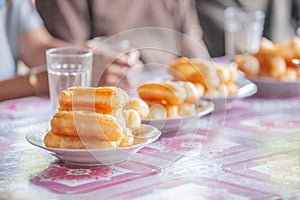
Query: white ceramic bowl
x=246, y=88
x=270, y=88
x=147, y=134
x=180, y=123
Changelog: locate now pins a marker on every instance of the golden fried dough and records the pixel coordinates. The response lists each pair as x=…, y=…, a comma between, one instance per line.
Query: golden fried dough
x=172, y=111
x=158, y=111
x=93, y=118
x=104, y=100
x=86, y=124
x=132, y=119
x=193, y=92
x=274, y=60
x=248, y=64
x=128, y=138
x=166, y=98
x=164, y=92
x=211, y=75
x=68, y=142
x=195, y=71
x=140, y=106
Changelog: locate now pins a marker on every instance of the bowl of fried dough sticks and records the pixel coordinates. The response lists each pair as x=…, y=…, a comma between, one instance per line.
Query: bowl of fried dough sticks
x=274, y=68
x=222, y=82
x=171, y=106
x=93, y=126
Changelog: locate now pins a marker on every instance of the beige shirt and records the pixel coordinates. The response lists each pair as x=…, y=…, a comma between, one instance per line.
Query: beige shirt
x=175, y=29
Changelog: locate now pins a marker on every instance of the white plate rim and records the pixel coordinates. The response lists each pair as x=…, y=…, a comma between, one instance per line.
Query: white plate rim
x=207, y=107
x=41, y=134
x=270, y=88
x=268, y=80
x=246, y=89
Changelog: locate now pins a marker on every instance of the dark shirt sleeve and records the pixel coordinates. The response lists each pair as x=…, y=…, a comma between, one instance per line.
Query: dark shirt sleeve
x=66, y=19
x=193, y=44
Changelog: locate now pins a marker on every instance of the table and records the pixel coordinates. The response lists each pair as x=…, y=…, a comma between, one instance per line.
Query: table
x=252, y=151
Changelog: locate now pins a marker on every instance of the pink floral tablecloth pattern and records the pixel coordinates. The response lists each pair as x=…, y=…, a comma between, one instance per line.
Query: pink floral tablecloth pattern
x=254, y=154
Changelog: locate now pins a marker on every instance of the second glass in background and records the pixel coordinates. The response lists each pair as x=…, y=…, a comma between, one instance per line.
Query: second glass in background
x=243, y=31
x=67, y=67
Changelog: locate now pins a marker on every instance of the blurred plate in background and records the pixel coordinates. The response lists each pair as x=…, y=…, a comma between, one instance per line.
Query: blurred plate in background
x=181, y=123
x=271, y=88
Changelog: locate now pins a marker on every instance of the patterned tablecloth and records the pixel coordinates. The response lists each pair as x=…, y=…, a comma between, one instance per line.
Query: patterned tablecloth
x=251, y=151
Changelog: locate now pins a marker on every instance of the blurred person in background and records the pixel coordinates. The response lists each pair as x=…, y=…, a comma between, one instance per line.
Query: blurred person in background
x=78, y=21
x=24, y=38
x=281, y=21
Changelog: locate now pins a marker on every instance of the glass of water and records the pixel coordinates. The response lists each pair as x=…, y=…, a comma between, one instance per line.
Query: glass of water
x=243, y=31
x=68, y=66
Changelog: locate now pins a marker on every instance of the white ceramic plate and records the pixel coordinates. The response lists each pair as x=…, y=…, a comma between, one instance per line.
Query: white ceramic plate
x=147, y=134
x=181, y=123
x=246, y=88
x=268, y=87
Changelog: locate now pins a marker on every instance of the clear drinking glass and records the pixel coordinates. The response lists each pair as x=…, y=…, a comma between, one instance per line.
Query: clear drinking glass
x=68, y=66
x=243, y=31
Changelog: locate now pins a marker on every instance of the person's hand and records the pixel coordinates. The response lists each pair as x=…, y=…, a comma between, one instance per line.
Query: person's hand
x=111, y=67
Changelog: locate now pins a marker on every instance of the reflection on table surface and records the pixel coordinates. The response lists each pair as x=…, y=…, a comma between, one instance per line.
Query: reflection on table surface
x=248, y=152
